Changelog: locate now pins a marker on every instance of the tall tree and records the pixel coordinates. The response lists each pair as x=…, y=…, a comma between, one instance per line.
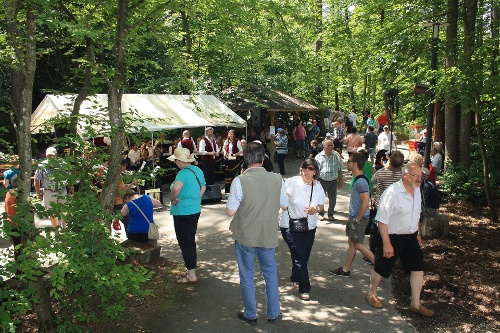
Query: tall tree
x=21, y=29
x=451, y=110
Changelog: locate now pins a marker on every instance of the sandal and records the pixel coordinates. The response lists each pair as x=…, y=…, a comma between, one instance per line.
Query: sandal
x=186, y=280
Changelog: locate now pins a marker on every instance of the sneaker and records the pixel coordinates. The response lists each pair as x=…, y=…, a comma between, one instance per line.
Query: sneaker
x=365, y=259
x=339, y=271
x=321, y=217
x=422, y=310
x=280, y=316
x=305, y=297
x=331, y=218
x=241, y=315
x=373, y=301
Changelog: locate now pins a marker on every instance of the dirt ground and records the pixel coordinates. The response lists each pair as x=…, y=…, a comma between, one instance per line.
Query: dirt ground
x=462, y=282
x=462, y=277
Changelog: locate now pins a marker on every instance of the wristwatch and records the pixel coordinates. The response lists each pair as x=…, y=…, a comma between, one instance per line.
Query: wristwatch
x=318, y=209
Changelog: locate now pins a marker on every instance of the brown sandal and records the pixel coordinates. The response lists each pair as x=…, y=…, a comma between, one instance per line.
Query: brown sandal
x=186, y=280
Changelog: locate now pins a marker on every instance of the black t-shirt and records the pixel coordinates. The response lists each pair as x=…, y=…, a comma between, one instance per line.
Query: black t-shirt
x=370, y=140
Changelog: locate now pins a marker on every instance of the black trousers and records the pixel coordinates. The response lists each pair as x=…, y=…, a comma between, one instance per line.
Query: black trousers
x=208, y=168
x=185, y=230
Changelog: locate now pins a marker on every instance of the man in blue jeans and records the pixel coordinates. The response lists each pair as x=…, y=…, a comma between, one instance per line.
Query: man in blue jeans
x=255, y=230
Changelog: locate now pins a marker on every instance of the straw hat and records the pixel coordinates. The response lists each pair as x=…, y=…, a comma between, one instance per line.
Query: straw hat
x=183, y=155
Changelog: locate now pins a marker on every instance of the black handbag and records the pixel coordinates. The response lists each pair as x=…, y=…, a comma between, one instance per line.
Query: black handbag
x=300, y=224
x=371, y=227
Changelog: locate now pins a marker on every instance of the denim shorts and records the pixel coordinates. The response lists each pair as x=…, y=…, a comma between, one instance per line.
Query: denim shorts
x=373, y=152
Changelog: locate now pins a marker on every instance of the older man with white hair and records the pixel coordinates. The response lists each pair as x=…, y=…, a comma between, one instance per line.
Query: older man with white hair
x=398, y=218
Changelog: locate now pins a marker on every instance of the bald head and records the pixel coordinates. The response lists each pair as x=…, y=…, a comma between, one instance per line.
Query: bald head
x=186, y=134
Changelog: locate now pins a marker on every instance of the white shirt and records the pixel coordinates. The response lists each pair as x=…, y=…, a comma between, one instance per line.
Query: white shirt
x=437, y=162
x=230, y=150
x=202, y=149
x=353, y=118
x=383, y=141
x=134, y=156
x=399, y=209
x=298, y=199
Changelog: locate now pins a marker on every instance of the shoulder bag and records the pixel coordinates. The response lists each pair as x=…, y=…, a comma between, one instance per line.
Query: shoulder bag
x=300, y=224
x=153, y=232
x=199, y=183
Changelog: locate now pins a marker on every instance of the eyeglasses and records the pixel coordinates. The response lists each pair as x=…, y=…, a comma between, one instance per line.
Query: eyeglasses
x=414, y=175
x=310, y=168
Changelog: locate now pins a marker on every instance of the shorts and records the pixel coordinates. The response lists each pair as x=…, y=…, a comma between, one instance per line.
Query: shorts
x=372, y=152
x=52, y=196
x=300, y=144
x=356, y=231
x=406, y=248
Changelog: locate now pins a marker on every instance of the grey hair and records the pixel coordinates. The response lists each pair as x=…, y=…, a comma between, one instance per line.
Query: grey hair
x=254, y=153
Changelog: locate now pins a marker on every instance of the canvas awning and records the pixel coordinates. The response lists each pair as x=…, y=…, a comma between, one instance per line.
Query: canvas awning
x=162, y=111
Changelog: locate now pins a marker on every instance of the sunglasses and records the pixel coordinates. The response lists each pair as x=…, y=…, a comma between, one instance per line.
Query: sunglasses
x=310, y=168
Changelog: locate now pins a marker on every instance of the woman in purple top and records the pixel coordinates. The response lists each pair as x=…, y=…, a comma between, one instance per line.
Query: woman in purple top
x=299, y=135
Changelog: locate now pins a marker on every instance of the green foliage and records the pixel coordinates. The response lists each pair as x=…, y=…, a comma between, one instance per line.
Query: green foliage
x=88, y=278
x=463, y=184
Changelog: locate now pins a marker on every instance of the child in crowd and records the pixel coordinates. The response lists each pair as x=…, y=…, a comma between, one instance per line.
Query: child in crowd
x=314, y=149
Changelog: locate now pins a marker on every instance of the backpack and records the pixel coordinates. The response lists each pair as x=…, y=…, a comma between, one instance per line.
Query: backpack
x=366, y=178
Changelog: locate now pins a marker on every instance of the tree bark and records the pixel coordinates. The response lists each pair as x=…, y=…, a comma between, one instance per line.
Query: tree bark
x=469, y=15
x=451, y=110
x=116, y=88
x=21, y=34
x=490, y=197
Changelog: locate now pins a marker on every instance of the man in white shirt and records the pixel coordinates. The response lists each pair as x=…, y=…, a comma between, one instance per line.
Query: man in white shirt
x=353, y=118
x=134, y=156
x=386, y=140
x=436, y=159
x=398, y=217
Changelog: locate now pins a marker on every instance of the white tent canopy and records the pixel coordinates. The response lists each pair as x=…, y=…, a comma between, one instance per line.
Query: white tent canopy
x=164, y=111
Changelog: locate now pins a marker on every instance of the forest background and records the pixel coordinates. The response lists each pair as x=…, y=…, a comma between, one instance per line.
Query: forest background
x=333, y=54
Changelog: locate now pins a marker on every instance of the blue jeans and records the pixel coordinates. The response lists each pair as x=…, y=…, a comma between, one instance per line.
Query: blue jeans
x=330, y=187
x=245, y=256
x=300, y=245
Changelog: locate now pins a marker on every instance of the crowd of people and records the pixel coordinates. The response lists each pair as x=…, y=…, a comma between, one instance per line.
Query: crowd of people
x=394, y=195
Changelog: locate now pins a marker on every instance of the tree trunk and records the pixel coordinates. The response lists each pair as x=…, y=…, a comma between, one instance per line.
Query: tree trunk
x=451, y=110
x=495, y=32
x=490, y=197
x=187, y=34
x=469, y=16
x=21, y=33
x=115, y=94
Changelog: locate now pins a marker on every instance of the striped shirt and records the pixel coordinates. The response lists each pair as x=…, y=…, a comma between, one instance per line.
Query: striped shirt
x=282, y=145
x=382, y=179
x=329, y=167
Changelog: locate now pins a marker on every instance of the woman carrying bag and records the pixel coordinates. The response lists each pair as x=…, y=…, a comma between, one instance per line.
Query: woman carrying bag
x=139, y=208
x=185, y=197
x=306, y=199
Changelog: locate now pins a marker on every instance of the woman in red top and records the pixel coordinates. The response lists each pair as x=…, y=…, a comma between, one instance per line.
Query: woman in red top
x=382, y=120
x=299, y=135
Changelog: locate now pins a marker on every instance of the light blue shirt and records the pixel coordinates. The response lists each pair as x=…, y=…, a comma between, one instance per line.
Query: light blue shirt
x=329, y=167
x=189, y=196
